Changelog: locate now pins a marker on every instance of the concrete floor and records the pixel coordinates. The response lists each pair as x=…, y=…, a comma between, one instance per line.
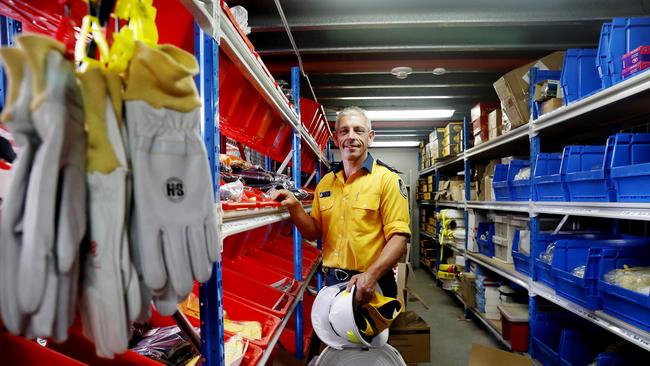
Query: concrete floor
x=451, y=336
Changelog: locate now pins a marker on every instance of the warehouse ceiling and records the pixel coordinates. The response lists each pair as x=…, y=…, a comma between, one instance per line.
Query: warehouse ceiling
x=348, y=48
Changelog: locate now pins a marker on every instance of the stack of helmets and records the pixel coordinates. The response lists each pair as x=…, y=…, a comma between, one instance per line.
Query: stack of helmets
x=339, y=325
x=384, y=356
x=452, y=227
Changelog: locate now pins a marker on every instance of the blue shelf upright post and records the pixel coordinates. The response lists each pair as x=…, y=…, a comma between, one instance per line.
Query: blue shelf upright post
x=535, y=149
x=8, y=30
x=267, y=163
x=206, y=50
x=297, y=238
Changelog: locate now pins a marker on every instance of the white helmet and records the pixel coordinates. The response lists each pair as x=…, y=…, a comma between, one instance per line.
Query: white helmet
x=384, y=356
x=333, y=318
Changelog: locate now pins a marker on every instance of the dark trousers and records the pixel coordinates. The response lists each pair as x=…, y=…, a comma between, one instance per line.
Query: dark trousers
x=386, y=282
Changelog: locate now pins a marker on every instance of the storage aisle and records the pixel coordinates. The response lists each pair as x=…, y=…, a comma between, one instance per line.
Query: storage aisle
x=452, y=335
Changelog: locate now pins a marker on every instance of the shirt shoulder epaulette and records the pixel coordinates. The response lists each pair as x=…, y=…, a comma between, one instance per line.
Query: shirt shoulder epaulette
x=379, y=162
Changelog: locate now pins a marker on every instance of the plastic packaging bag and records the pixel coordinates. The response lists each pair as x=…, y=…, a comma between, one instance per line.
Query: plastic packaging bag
x=547, y=255
x=232, y=192
x=579, y=271
x=634, y=279
x=241, y=15
x=523, y=174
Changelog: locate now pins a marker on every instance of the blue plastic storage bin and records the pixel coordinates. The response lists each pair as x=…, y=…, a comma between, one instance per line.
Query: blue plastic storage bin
x=485, y=246
x=500, y=183
x=630, y=306
x=519, y=189
x=546, y=329
x=601, y=57
x=626, y=35
x=579, y=74
x=571, y=253
x=630, y=168
x=548, y=179
x=520, y=260
x=614, y=359
x=587, y=173
x=576, y=348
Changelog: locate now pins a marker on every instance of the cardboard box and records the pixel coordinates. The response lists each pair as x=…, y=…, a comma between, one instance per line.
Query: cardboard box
x=488, y=356
x=410, y=335
x=482, y=109
x=451, y=150
x=456, y=190
x=437, y=134
x=551, y=105
x=453, y=132
x=426, y=196
x=436, y=149
x=480, y=125
x=495, y=122
x=468, y=289
x=488, y=193
x=513, y=88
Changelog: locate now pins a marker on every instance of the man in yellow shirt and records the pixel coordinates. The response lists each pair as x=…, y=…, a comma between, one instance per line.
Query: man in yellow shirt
x=360, y=211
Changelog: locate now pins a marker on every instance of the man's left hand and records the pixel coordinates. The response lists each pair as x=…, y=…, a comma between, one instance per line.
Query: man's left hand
x=365, y=285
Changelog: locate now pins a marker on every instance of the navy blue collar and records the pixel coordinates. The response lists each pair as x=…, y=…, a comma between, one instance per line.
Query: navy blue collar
x=366, y=164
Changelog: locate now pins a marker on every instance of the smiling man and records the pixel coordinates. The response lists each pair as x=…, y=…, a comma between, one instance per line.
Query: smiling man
x=360, y=211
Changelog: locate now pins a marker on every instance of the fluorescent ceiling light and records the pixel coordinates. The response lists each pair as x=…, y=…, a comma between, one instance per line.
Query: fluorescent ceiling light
x=406, y=143
x=403, y=115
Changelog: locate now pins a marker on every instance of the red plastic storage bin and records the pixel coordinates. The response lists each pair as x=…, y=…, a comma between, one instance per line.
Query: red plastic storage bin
x=239, y=311
x=256, y=293
x=262, y=273
x=16, y=350
x=514, y=325
x=280, y=264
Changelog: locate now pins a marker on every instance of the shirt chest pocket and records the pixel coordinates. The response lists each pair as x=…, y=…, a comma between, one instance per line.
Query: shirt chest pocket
x=365, y=210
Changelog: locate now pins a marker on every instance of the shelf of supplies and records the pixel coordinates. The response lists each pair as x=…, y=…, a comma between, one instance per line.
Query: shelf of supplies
x=236, y=222
x=429, y=235
x=492, y=327
x=426, y=171
x=258, y=74
x=456, y=204
x=625, y=100
x=514, y=206
x=450, y=161
x=614, y=210
x=285, y=320
x=455, y=248
x=622, y=329
x=506, y=270
x=501, y=145
x=428, y=269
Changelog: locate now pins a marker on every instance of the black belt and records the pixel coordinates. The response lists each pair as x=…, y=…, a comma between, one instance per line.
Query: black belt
x=340, y=274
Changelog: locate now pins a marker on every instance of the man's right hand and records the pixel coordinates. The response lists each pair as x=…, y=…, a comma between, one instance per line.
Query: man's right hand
x=286, y=198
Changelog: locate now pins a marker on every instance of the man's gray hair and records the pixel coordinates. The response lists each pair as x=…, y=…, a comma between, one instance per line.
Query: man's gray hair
x=353, y=110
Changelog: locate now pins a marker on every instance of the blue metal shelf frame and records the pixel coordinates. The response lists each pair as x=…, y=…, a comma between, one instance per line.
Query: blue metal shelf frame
x=297, y=238
x=206, y=50
x=8, y=30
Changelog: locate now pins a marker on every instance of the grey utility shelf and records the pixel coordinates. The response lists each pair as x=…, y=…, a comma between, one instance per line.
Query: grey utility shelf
x=236, y=222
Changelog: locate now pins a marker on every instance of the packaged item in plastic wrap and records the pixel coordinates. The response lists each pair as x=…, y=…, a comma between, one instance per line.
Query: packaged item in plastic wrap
x=241, y=16
x=579, y=271
x=547, y=255
x=232, y=191
x=247, y=329
x=523, y=174
x=632, y=278
x=166, y=345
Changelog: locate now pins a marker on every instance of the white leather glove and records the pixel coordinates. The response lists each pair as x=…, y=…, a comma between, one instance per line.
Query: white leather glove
x=17, y=118
x=55, y=217
x=110, y=290
x=174, y=201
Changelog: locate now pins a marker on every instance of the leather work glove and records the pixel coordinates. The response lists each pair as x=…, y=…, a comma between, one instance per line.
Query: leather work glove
x=110, y=288
x=55, y=212
x=17, y=118
x=173, y=197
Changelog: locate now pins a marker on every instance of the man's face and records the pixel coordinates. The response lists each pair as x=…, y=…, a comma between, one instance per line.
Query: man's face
x=353, y=137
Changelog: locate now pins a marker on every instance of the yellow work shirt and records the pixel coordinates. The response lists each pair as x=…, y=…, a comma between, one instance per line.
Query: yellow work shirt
x=359, y=216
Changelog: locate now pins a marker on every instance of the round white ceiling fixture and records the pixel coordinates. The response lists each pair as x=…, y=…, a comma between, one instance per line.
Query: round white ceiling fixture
x=401, y=72
x=439, y=71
